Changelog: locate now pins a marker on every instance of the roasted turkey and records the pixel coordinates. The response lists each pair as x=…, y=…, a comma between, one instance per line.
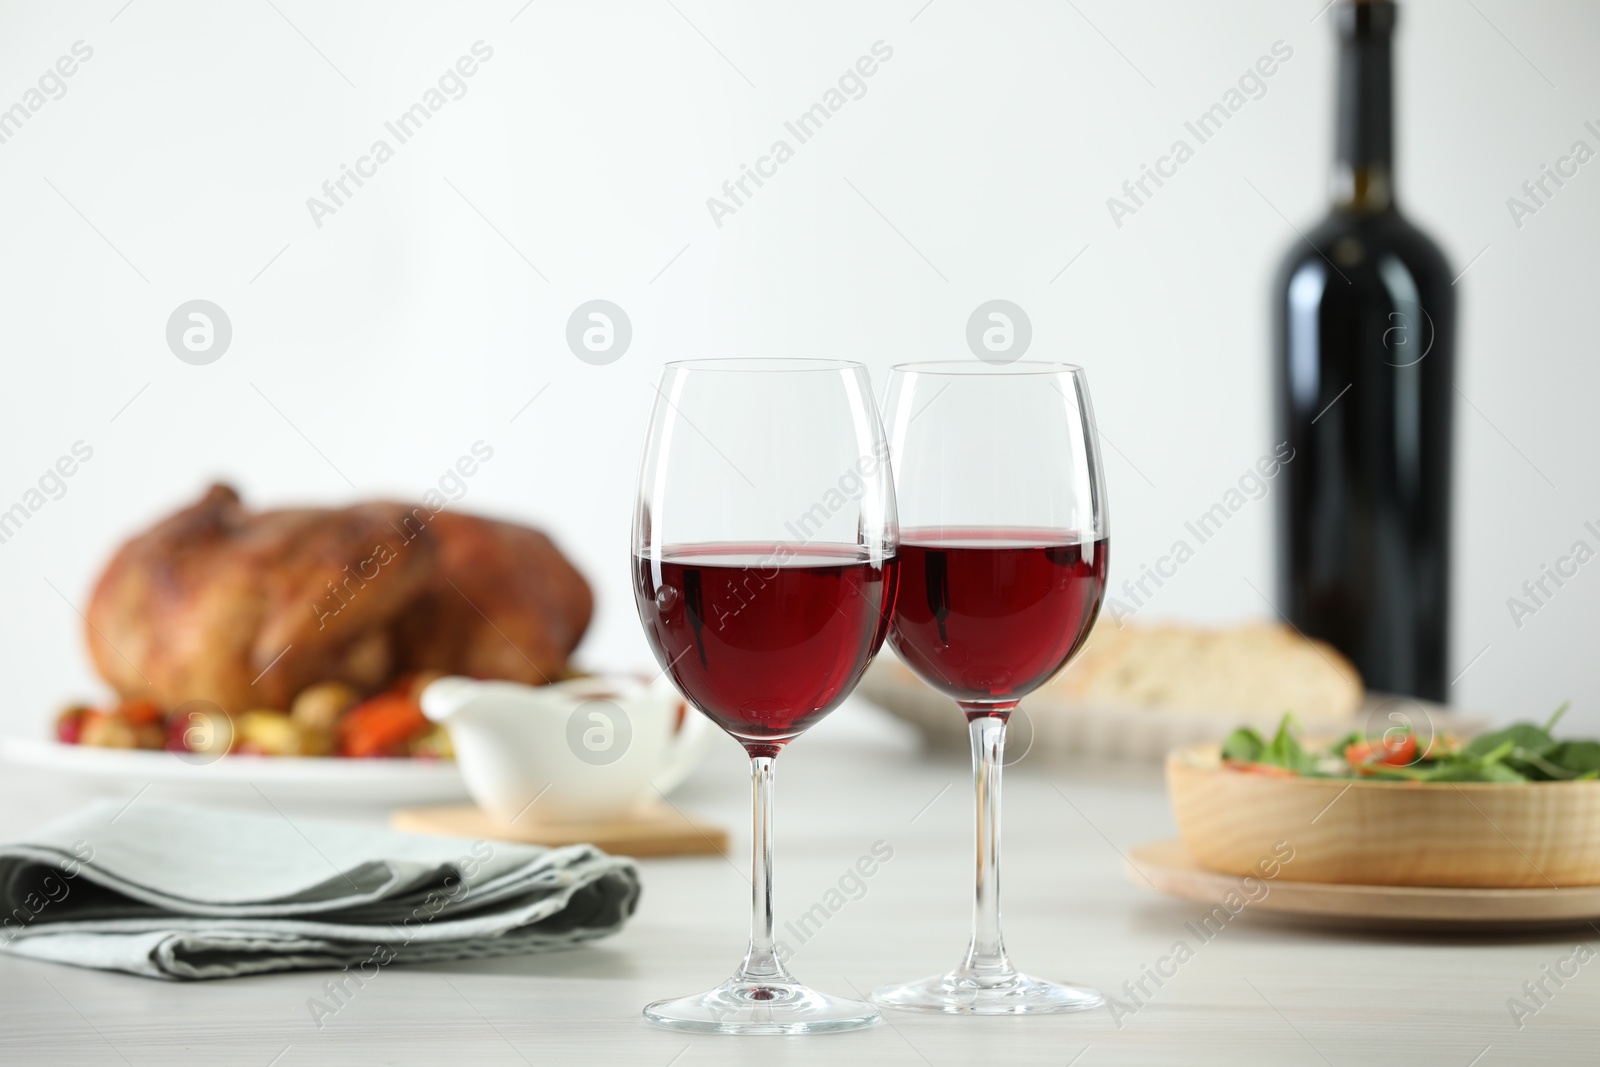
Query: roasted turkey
x=247, y=608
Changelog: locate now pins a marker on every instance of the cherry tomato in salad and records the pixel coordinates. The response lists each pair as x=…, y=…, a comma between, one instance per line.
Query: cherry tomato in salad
x=1392, y=750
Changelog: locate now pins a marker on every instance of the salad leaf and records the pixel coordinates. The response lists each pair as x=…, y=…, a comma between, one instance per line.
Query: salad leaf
x=1243, y=745
x=1555, y=716
x=1536, y=767
x=1464, y=771
x=1286, y=750
x=1523, y=735
x=1579, y=757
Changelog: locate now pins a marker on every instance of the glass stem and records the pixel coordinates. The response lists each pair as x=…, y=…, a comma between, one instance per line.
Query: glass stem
x=761, y=963
x=986, y=955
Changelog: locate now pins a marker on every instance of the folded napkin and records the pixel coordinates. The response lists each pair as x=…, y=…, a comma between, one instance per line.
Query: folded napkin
x=172, y=891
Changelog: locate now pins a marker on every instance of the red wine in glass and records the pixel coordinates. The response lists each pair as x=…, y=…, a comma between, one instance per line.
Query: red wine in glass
x=765, y=639
x=988, y=615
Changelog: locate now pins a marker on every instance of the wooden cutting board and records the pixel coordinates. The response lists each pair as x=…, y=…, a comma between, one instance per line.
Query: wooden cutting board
x=1167, y=867
x=658, y=830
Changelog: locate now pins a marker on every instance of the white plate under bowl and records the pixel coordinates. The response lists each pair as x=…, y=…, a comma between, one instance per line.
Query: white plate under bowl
x=375, y=782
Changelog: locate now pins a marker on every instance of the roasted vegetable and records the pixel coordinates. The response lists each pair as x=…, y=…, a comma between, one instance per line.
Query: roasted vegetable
x=382, y=726
x=268, y=733
x=133, y=724
x=319, y=706
x=328, y=718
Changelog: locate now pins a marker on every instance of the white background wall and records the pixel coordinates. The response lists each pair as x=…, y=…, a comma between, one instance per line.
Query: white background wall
x=429, y=310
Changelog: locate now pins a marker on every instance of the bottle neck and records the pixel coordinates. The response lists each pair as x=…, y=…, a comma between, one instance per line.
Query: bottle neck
x=1363, y=168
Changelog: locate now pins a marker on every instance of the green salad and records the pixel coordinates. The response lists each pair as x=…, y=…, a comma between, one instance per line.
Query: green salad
x=1522, y=752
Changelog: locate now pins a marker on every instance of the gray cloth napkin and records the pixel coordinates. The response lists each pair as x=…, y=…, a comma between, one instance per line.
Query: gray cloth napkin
x=172, y=891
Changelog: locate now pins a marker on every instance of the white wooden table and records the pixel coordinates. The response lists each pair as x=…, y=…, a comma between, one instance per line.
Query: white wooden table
x=1260, y=992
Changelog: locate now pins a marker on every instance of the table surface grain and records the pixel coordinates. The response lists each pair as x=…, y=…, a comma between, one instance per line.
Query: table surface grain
x=1260, y=991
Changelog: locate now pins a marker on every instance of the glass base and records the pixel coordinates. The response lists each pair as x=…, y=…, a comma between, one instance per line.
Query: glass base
x=743, y=1007
x=965, y=993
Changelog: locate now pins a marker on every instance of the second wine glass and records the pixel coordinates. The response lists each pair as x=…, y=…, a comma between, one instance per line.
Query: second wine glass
x=1003, y=556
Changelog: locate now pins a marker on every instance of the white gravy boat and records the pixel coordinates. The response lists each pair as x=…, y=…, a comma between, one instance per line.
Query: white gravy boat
x=587, y=750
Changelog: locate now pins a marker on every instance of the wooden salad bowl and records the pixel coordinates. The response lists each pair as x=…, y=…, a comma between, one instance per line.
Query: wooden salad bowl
x=1363, y=832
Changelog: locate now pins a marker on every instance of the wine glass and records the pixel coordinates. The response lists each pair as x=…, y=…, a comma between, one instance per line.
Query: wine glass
x=1003, y=553
x=764, y=573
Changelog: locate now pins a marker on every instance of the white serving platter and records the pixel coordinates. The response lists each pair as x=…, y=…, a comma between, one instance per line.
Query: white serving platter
x=375, y=782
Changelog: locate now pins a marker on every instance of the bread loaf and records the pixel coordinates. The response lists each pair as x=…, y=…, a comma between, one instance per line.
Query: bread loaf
x=1243, y=670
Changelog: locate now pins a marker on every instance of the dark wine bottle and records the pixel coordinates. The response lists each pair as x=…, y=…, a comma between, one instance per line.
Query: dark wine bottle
x=1365, y=339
